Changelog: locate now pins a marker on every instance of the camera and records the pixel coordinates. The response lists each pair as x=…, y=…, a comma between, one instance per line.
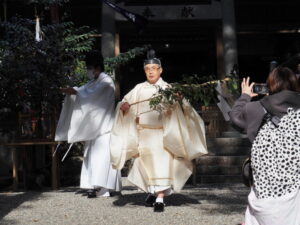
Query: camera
x=260, y=89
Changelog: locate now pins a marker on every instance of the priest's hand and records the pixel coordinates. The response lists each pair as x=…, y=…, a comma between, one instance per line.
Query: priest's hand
x=179, y=96
x=68, y=91
x=125, y=107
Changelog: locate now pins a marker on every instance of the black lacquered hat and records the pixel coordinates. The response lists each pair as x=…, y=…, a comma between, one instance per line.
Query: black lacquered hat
x=151, y=58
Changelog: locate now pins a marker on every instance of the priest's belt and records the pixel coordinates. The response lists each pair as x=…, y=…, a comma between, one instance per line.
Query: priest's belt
x=147, y=126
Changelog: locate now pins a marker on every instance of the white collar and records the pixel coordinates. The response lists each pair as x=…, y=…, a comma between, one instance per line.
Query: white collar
x=101, y=76
x=159, y=82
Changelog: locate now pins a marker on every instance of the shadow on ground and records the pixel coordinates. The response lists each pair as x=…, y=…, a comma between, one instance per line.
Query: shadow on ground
x=219, y=200
x=226, y=204
x=139, y=200
x=11, y=201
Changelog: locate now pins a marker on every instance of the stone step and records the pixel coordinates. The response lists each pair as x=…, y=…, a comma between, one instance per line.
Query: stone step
x=210, y=179
x=225, y=141
x=233, y=134
x=231, y=128
x=219, y=170
x=209, y=160
x=229, y=150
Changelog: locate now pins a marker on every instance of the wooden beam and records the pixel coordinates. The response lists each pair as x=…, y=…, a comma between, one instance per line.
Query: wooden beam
x=167, y=2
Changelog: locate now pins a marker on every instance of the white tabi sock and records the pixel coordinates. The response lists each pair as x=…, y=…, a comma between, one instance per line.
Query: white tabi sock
x=161, y=200
x=103, y=193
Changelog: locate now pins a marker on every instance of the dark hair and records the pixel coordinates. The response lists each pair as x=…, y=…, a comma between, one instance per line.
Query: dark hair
x=282, y=78
x=94, y=59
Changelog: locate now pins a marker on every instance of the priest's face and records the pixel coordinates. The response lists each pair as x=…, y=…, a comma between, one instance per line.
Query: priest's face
x=153, y=72
x=93, y=72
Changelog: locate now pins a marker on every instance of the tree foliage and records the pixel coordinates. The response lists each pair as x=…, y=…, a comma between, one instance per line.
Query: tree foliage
x=31, y=72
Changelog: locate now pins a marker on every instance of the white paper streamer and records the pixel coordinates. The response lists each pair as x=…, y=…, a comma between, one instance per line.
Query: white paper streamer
x=54, y=153
x=38, y=36
x=67, y=152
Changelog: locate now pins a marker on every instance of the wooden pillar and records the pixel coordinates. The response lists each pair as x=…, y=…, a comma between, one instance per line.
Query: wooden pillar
x=54, y=169
x=117, y=44
x=194, y=176
x=220, y=54
x=229, y=35
x=5, y=10
x=117, y=72
x=54, y=10
x=15, y=169
x=54, y=13
x=108, y=29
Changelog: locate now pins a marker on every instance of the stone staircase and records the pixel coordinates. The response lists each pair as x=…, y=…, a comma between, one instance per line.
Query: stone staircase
x=224, y=162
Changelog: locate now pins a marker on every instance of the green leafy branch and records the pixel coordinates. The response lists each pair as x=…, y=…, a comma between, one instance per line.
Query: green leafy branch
x=111, y=63
x=193, y=89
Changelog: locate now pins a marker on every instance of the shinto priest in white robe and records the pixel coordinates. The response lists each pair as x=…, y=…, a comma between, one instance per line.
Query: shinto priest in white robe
x=88, y=117
x=162, y=143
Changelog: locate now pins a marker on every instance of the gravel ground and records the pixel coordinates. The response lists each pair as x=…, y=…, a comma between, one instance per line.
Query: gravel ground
x=202, y=205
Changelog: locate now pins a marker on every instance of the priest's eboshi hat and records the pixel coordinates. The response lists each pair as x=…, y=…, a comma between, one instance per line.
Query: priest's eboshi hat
x=151, y=58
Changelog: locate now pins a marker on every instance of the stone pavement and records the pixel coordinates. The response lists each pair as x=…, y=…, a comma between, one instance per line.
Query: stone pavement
x=222, y=204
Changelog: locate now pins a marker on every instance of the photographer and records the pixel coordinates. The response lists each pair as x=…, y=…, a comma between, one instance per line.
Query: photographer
x=275, y=157
x=283, y=94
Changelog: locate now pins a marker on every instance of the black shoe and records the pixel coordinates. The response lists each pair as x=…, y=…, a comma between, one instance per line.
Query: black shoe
x=150, y=200
x=159, y=207
x=81, y=191
x=91, y=194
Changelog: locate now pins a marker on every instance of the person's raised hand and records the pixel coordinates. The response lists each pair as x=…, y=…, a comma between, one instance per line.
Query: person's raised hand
x=125, y=107
x=247, y=88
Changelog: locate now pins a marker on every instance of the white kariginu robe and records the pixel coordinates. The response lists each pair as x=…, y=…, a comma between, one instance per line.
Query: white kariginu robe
x=162, y=143
x=88, y=117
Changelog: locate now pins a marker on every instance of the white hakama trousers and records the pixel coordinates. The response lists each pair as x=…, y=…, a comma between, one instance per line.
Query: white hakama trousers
x=153, y=167
x=96, y=168
x=156, y=169
x=284, y=210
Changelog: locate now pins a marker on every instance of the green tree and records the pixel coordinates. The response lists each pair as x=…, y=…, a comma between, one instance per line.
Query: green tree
x=31, y=72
